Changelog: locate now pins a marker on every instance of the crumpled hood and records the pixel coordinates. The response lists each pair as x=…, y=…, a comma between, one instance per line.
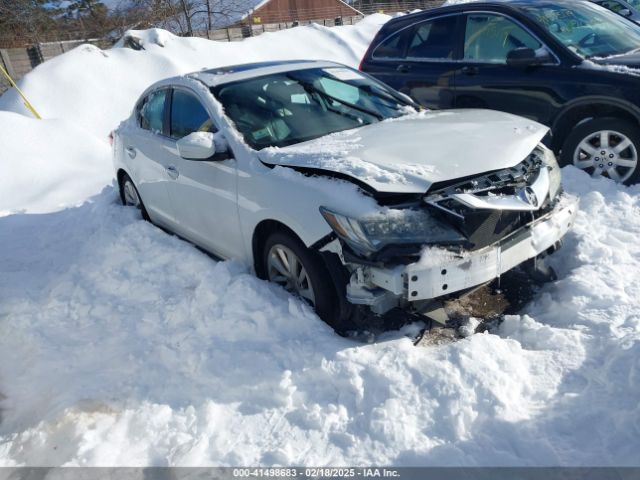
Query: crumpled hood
x=409, y=154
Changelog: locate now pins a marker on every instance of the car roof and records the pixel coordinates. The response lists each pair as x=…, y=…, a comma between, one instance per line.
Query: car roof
x=218, y=76
x=515, y=3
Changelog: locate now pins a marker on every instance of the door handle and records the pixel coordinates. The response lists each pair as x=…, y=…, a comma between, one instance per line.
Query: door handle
x=402, y=68
x=469, y=70
x=172, y=171
x=131, y=152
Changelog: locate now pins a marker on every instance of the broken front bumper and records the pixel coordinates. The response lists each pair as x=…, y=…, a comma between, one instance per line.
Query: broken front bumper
x=471, y=269
x=441, y=272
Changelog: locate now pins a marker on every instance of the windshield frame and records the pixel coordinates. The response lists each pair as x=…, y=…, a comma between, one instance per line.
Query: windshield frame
x=403, y=102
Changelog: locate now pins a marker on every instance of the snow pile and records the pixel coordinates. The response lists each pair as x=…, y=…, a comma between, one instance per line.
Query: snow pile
x=49, y=164
x=122, y=345
x=85, y=93
x=449, y=3
x=96, y=89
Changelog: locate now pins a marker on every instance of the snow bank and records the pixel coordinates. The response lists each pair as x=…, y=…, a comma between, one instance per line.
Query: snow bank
x=122, y=345
x=49, y=164
x=96, y=89
x=87, y=92
x=448, y=3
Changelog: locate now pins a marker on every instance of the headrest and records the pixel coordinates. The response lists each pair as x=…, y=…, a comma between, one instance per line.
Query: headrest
x=282, y=92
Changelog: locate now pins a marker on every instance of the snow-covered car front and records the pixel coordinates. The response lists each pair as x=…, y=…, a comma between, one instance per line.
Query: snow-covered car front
x=339, y=188
x=459, y=235
x=447, y=221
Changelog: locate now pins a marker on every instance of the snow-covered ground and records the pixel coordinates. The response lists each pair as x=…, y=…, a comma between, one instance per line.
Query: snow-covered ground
x=123, y=345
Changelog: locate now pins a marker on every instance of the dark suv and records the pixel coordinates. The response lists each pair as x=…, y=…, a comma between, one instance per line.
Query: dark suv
x=566, y=63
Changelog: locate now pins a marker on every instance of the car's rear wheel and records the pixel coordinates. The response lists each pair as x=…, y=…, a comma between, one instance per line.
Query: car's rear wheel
x=287, y=262
x=606, y=147
x=130, y=196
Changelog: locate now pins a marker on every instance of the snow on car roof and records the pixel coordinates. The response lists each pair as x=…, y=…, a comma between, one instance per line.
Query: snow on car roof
x=218, y=76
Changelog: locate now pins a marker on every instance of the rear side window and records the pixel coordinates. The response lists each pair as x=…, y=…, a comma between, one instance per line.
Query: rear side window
x=188, y=115
x=392, y=47
x=151, y=111
x=434, y=39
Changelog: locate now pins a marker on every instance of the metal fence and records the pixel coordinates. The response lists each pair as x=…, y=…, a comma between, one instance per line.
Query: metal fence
x=20, y=61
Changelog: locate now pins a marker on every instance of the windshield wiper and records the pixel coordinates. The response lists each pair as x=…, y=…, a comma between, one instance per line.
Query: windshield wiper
x=310, y=88
x=388, y=96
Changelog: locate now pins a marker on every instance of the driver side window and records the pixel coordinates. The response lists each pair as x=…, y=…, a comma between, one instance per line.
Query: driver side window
x=188, y=115
x=489, y=38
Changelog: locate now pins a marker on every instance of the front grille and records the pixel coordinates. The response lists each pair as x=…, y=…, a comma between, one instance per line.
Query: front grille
x=484, y=226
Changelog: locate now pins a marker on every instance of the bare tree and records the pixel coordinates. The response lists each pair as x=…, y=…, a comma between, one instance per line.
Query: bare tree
x=185, y=17
x=26, y=20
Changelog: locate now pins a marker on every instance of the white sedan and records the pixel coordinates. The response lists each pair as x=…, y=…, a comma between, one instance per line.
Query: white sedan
x=340, y=189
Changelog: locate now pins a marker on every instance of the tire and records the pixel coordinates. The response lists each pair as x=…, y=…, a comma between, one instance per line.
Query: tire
x=130, y=197
x=316, y=278
x=608, y=147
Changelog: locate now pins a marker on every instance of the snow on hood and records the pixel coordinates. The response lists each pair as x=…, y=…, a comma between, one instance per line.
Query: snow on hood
x=409, y=154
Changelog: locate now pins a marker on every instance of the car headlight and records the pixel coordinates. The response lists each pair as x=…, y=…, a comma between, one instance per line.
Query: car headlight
x=555, y=176
x=406, y=226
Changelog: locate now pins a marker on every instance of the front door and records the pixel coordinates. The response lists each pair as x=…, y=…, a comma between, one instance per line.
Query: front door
x=484, y=80
x=203, y=192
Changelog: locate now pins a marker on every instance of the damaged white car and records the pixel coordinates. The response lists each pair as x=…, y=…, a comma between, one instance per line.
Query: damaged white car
x=338, y=188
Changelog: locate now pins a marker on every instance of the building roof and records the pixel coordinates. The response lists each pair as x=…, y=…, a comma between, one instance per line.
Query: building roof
x=234, y=11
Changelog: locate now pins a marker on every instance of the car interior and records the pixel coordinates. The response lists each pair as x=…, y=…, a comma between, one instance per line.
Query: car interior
x=278, y=111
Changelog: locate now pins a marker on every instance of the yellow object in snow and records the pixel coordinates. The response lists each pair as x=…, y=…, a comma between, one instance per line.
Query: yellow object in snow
x=26, y=102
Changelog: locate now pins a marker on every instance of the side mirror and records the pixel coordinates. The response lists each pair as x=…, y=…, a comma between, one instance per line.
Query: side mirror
x=202, y=146
x=625, y=12
x=528, y=57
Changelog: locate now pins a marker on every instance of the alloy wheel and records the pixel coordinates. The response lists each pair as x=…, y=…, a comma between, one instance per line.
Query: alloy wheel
x=285, y=268
x=607, y=153
x=130, y=194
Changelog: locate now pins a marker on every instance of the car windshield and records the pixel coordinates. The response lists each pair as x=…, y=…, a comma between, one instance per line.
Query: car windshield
x=292, y=107
x=587, y=29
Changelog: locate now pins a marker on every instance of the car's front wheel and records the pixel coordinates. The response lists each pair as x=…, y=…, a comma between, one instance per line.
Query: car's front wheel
x=606, y=147
x=287, y=262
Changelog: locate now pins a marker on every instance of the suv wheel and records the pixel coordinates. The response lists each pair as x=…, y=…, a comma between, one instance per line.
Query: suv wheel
x=605, y=147
x=287, y=262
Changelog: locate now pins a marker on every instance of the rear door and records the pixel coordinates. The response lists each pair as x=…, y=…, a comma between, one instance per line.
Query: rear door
x=420, y=60
x=484, y=80
x=145, y=145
